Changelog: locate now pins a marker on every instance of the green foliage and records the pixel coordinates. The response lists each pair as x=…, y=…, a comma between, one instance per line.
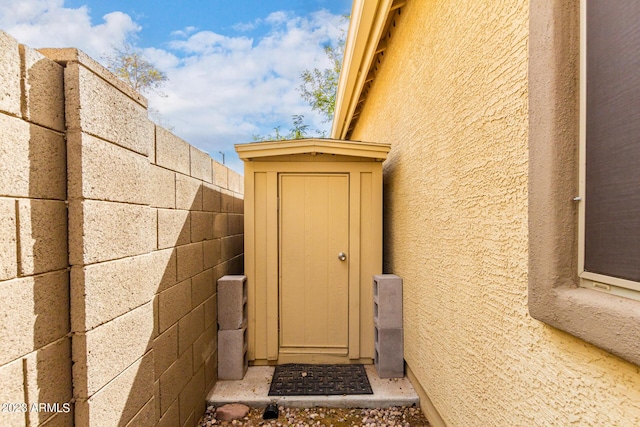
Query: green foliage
x=129, y=65
x=298, y=131
x=319, y=89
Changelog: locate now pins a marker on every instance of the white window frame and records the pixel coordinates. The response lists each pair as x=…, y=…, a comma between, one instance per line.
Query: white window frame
x=590, y=280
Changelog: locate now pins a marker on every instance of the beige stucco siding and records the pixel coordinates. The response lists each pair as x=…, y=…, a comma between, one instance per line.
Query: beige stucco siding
x=451, y=97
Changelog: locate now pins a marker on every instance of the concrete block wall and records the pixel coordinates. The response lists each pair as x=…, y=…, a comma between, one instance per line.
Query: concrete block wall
x=35, y=347
x=114, y=232
x=387, y=326
x=194, y=207
x=232, y=302
x=232, y=327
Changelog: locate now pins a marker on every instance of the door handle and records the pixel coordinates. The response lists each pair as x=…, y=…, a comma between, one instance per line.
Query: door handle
x=342, y=256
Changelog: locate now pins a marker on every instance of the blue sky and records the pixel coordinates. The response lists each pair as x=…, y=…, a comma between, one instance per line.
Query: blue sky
x=233, y=65
x=222, y=16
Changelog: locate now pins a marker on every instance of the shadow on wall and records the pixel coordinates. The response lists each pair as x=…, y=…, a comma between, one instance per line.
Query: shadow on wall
x=184, y=340
x=163, y=311
x=109, y=252
x=167, y=295
x=388, y=176
x=42, y=245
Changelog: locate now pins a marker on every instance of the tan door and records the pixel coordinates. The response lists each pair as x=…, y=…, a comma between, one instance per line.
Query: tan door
x=314, y=276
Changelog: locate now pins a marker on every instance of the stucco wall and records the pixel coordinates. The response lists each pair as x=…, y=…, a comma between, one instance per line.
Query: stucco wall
x=451, y=97
x=123, y=282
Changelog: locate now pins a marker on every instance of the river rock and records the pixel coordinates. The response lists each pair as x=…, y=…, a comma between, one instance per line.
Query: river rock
x=232, y=411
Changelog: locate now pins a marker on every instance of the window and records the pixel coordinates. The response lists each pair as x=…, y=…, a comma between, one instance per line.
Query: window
x=610, y=147
x=559, y=292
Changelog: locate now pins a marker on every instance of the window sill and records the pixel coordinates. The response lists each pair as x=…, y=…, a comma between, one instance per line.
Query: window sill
x=607, y=321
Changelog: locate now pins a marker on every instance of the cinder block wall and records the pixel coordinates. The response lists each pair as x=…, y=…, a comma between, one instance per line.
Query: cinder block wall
x=35, y=348
x=152, y=224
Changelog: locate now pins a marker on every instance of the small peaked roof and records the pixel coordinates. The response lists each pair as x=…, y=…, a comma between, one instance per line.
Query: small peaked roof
x=257, y=150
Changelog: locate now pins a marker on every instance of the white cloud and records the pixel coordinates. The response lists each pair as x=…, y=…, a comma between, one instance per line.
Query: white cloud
x=47, y=23
x=207, y=42
x=184, y=32
x=246, y=26
x=276, y=18
x=222, y=90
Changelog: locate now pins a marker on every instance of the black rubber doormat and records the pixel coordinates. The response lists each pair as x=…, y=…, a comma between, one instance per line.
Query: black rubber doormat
x=297, y=379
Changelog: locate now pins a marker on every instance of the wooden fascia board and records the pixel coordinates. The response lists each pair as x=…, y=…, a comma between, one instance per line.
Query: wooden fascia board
x=259, y=150
x=368, y=18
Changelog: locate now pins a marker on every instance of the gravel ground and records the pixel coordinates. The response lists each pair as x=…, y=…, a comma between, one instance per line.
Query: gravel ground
x=331, y=417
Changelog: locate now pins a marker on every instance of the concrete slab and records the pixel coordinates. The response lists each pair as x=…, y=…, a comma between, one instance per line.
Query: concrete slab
x=253, y=391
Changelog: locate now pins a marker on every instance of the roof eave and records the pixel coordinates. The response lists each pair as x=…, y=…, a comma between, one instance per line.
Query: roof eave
x=365, y=37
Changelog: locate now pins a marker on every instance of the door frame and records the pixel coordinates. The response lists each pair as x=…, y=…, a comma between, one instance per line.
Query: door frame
x=261, y=252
